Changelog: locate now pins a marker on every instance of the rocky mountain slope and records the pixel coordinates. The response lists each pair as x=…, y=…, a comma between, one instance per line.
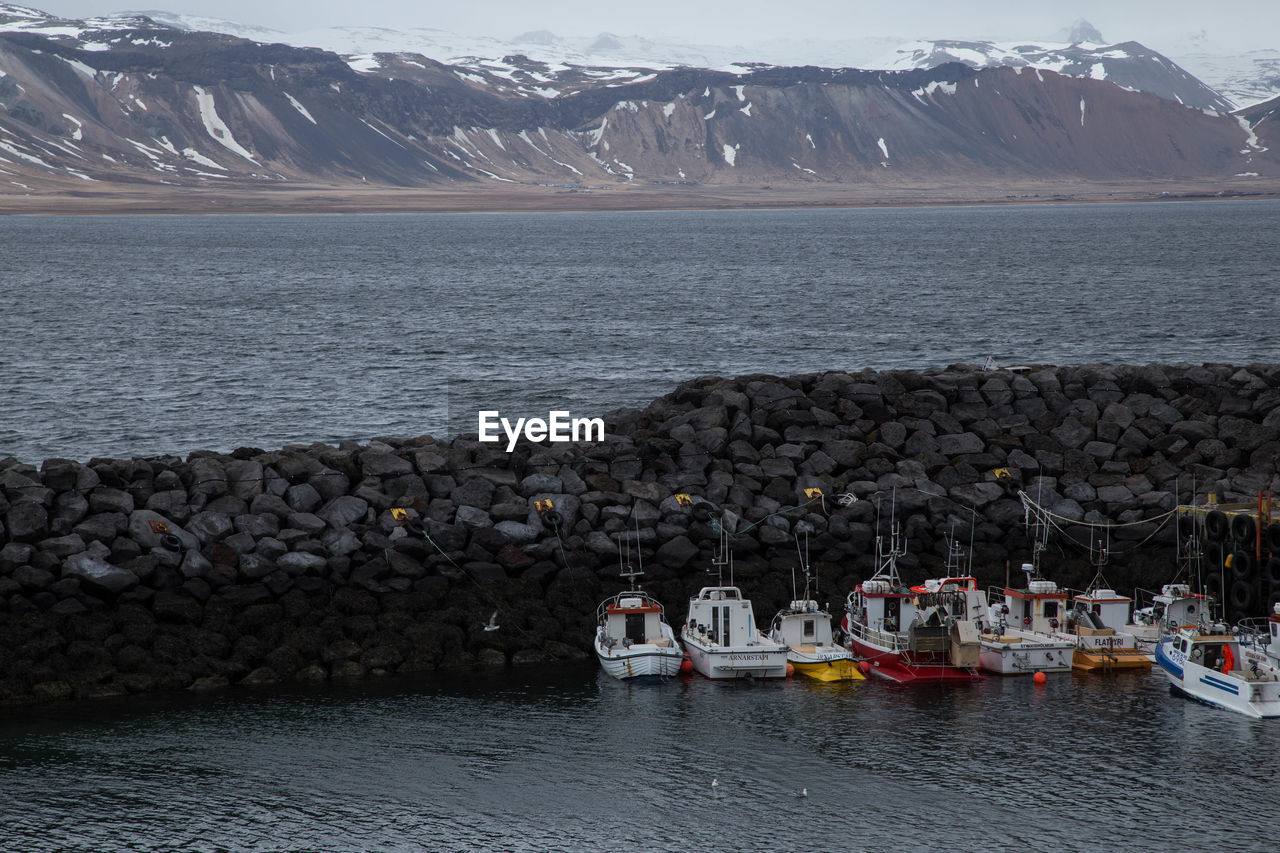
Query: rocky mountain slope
x=127, y=100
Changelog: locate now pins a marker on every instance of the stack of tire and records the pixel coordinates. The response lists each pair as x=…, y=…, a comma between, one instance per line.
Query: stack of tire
x=1245, y=585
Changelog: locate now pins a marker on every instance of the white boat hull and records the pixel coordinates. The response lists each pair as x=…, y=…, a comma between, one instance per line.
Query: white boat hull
x=1242, y=692
x=641, y=661
x=1030, y=654
x=729, y=662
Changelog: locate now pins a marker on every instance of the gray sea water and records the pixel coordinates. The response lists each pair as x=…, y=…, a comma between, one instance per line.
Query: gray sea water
x=126, y=336
x=566, y=759
x=133, y=336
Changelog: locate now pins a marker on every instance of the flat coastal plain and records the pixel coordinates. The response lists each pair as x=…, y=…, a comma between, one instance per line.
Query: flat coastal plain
x=65, y=199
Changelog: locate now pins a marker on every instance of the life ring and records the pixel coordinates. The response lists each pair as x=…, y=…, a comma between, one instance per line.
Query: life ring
x=415, y=525
x=1242, y=565
x=1026, y=620
x=1241, y=596
x=170, y=542
x=1243, y=528
x=1271, y=571
x=551, y=518
x=1216, y=525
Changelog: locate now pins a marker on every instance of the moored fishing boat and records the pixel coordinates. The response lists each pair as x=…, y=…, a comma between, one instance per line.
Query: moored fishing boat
x=1212, y=668
x=1096, y=624
x=633, y=641
x=1021, y=638
x=805, y=629
x=1174, y=607
x=912, y=635
x=720, y=634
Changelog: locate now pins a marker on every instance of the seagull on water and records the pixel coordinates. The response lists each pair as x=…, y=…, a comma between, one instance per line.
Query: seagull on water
x=804, y=792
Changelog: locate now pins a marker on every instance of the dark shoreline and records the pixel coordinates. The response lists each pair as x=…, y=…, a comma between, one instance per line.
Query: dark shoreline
x=312, y=200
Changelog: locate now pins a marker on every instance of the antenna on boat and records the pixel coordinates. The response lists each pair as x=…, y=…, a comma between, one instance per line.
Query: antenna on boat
x=629, y=572
x=722, y=558
x=804, y=564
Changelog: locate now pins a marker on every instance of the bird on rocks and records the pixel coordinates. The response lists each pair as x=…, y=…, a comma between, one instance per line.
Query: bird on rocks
x=493, y=622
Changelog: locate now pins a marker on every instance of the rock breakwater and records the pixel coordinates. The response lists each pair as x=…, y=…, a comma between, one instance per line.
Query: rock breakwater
x=317, y=562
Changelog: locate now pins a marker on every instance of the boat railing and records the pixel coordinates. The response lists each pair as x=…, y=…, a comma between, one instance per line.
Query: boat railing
x=645, y=599
x=872, y=636
x=1254, y=631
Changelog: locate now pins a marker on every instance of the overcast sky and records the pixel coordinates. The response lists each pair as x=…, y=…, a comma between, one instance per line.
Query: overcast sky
x=1157, y=23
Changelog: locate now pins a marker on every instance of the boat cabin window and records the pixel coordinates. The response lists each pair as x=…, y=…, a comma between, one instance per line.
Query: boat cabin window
x=1275, y=629
x=715, y=624
x=1026, y=608
x=1051, y=610
x=808, y=629
x=1097, y=608
x=892, y=610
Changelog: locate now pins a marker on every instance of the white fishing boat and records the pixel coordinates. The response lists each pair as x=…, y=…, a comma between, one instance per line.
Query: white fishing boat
x=720, y=634
x=1021, y=634
x=1096, y=624
x=1177, y=605
x=1212, y=668
x=805, y=629
x=633, y=641
x=1174, y=607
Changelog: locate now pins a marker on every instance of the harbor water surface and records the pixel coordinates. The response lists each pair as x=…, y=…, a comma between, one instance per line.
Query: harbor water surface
x=565, y=758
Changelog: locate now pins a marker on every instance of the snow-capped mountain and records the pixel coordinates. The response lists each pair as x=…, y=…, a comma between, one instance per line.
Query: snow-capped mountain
x=1128, y=65
x=1225, y=81
x=1244, y=79
x=129, y=102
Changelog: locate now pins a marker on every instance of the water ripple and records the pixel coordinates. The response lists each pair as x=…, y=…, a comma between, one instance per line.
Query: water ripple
x=144, y=335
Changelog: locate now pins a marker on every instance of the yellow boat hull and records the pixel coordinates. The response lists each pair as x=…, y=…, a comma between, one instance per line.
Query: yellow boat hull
x=836, y=670
x=1101, y=661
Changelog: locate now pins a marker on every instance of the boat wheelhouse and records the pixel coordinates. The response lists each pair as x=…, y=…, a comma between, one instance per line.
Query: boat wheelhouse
x=1174, y=607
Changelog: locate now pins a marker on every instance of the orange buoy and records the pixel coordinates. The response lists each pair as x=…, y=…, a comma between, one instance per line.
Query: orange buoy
x=686, y=666
x=1039, y=678
x=791, y=670
x=864, y=666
